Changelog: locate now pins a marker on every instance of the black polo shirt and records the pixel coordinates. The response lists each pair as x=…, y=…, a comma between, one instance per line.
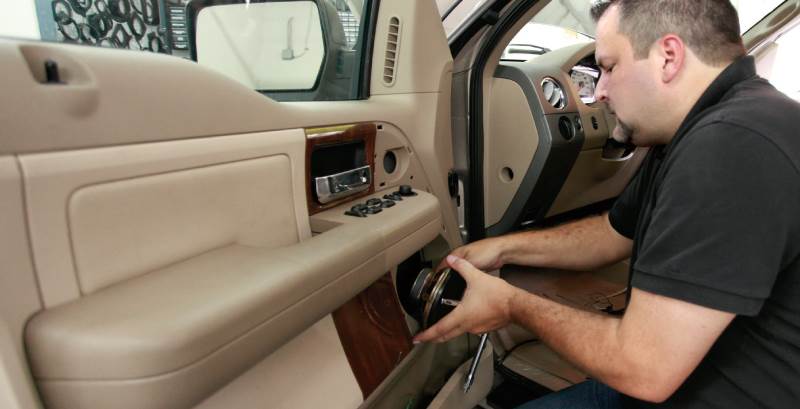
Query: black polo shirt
x=715, y=220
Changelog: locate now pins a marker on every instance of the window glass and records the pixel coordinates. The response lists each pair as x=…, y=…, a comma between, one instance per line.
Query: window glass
x=143, y=25
x=751, y=12
x=295, y=50
x=230, y=39
x=565, y=22
x=779, y=62
x=456, y=13
x=536, y=39
x=290, y=50
x=18, y=20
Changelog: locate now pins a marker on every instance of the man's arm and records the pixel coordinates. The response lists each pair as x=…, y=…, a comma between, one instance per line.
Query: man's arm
x=647, y=354
x=585, y=244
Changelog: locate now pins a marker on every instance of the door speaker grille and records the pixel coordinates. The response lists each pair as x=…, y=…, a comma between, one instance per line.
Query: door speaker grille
x=392, y=52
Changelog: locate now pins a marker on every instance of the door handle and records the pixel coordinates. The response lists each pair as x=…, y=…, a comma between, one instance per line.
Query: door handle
x=339, y=185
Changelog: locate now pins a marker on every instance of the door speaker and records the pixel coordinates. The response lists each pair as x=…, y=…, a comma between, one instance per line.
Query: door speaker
x=434, y=294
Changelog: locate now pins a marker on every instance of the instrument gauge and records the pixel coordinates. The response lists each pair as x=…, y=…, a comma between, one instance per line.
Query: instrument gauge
x=585, y=81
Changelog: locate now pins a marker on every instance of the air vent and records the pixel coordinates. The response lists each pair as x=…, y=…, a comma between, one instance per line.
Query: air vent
x=553, y=93
x=392, y=52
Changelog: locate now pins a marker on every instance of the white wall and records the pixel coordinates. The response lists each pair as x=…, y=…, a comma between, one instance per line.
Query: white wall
x=18, y=19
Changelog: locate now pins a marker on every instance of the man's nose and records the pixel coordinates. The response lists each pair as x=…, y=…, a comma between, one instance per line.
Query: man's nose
x=601, y=91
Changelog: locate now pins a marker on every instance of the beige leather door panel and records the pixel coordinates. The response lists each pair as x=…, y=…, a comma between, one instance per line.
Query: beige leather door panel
x=215, y=270
x=193, y=196
x=164, y=255
x=19, y=295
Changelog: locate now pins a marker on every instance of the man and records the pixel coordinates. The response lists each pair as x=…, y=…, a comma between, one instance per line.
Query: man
x=711, y=224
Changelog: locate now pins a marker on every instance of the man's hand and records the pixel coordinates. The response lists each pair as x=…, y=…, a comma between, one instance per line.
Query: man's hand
x=484, y=254
x=485, y=306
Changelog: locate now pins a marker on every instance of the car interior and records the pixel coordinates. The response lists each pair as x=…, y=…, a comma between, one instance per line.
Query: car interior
x=193, y=233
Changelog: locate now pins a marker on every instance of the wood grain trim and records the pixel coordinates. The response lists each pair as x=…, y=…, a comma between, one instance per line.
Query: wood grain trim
x=374, y=334
x=347, y=133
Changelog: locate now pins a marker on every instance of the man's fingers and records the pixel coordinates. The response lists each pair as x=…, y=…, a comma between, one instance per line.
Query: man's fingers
x=463, y=267
x=448, y=324
x=451, y=325
x=430, y=334
x=442, y=265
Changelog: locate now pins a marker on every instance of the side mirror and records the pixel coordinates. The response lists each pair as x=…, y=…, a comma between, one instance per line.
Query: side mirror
x=266, y=45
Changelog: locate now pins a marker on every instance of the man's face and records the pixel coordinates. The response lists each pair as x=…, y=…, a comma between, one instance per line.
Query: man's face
x=627, y=85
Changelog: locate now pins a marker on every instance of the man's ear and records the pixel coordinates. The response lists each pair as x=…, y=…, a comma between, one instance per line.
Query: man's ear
x=672, y=55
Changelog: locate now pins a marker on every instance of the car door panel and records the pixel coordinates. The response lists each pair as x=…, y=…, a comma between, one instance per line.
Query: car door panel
x=109, y=97
x=220, y=308
x=194, y=195
x=315, y=357
x=173, y=259
x=19, y=294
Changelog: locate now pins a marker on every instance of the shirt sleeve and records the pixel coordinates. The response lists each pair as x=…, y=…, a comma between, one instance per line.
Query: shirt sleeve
x=723, y=221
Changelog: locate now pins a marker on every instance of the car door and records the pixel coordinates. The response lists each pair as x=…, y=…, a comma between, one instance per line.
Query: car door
x=173, y=238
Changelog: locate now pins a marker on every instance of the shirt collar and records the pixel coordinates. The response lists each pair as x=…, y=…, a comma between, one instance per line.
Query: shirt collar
x=740, y=70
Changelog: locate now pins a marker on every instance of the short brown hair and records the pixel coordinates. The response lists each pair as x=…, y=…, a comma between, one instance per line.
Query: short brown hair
x=709, y=27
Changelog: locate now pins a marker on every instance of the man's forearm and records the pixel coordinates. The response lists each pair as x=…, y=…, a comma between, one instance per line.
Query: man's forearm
x=588, y=340
x=585, y=244
x=646, y=354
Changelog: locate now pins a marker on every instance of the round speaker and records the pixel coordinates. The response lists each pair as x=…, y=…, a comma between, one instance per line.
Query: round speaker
x=435, y=294
x=389, y=162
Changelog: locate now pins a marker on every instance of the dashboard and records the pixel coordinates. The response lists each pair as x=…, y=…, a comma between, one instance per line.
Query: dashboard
x=545, y=108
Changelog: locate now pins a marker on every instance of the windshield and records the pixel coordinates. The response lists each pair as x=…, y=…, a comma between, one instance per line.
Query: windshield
x=567, y=22
x=574, y=14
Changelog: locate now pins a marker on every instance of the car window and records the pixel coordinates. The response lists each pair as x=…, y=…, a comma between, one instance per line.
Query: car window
x=566, y=22
x=290, y=50
x=536, y=39
x=751, y=12
x=456, y=13
x=779, y=62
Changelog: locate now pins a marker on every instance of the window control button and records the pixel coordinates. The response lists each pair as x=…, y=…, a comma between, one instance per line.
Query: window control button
x=355, y=213
x=374, y=210
x=406, y=190
x=374, y=202
x=387, y=203
x=393, y=196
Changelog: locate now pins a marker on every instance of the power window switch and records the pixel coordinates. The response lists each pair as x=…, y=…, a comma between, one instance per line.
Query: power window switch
x=406, y=190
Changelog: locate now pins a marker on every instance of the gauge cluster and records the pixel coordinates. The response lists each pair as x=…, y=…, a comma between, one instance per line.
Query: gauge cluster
x=584, y=76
